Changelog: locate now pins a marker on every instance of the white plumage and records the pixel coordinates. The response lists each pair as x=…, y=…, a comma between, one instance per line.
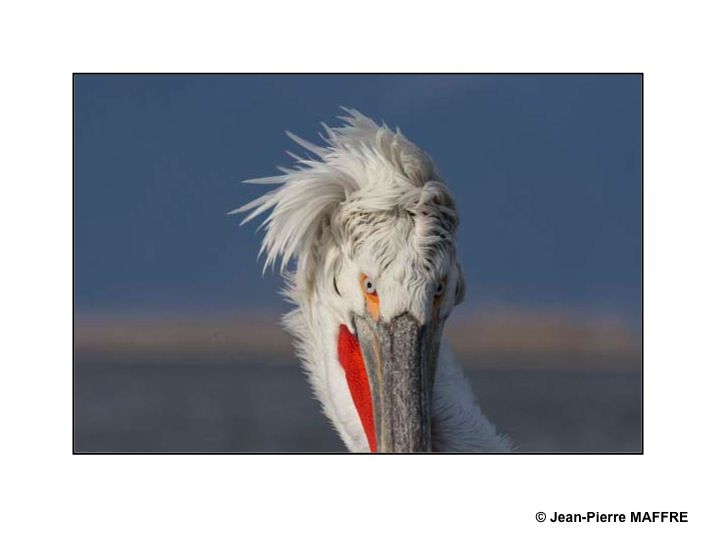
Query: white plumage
x=369, y=202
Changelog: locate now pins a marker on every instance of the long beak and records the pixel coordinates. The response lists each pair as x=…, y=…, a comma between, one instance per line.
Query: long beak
x=400, y=361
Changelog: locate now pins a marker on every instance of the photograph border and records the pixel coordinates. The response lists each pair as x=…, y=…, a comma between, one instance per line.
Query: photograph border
x=642, y=252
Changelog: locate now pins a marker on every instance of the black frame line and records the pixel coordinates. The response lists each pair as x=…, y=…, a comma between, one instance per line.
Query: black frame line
x=229, y=73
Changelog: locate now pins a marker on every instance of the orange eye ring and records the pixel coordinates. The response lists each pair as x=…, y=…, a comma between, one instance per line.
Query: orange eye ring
x=368, y=285
x=372, y=300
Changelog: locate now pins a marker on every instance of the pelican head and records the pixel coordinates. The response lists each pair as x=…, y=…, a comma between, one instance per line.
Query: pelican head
x=363, y=230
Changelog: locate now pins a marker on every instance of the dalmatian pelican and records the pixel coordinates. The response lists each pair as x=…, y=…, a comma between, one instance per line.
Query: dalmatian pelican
x=363, y=229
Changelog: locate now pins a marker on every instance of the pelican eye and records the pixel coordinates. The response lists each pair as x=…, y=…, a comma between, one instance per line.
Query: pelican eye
x=368, y=286
x=440, y=288
x=372, y=300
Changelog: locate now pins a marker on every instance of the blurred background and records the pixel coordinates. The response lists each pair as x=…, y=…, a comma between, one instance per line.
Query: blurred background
x=177, y=343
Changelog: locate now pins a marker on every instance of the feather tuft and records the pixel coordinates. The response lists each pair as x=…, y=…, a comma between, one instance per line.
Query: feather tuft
x=359, y=157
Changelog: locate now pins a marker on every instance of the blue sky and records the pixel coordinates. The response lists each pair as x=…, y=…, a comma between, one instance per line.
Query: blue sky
x=546, y=171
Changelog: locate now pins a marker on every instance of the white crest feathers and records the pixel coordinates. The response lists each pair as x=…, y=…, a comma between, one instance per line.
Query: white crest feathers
x=362, y=164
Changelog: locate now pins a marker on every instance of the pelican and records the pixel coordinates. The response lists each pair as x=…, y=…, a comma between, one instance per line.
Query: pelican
x=363, y=229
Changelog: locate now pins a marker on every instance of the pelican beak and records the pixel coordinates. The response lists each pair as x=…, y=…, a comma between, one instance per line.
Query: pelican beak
x=400, y=359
